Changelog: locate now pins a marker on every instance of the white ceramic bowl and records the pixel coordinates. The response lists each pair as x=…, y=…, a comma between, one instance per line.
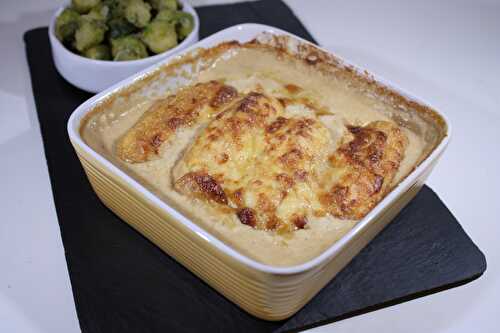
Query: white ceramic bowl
x=96, y=75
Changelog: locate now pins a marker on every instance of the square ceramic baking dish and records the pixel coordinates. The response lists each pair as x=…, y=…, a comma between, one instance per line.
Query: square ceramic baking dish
x=268, y=292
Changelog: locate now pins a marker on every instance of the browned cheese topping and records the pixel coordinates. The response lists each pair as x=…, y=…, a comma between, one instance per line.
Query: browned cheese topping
x=186, y=108
x=272, y=169
x=365, y=167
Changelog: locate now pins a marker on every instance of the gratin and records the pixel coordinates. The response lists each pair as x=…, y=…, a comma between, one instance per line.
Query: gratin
x=268, y=152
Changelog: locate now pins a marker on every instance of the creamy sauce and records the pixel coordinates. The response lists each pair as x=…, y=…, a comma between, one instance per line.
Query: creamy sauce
x=248, y=70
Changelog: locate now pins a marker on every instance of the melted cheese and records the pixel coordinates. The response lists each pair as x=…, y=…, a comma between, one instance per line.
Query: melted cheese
x=336, y=105
x=267, y=160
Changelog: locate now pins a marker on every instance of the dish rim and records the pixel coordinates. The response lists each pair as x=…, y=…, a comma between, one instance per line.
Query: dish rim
x=228, y=34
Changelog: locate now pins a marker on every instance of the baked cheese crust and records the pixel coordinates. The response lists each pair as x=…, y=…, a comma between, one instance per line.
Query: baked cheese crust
x=186, y=108
x=266, y=163
x=363, y=168
x=271, y=165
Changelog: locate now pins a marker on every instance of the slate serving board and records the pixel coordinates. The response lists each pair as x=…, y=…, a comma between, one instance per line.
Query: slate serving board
x=123, y=283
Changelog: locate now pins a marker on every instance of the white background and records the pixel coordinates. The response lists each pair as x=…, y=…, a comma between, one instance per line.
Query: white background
x=446, y=52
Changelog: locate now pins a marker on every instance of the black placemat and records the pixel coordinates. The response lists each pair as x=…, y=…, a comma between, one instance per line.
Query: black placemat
x=123, y=283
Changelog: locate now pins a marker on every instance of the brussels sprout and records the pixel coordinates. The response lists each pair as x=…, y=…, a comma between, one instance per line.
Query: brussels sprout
x=122, y=29
x=166, y=15
x=116, y=7
x=66, y=25
x=159, y=36
x=100, y=12
x=128, y=48
x=119, y=27
x=184, y=24
x=89, y=33
x=164, y=4
x=84, y=6
x=138, y=13
x=98, y=52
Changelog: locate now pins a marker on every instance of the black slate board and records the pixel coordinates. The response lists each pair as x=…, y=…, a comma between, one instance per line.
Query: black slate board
x=123, y=283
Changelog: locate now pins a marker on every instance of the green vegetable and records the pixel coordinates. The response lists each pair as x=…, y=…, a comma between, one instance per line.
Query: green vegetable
x=119, y=27
x=98, y=52
x=128, y=48
x=164, y=4
x=159, y=36
x=184, y=24
x=166, y=15
x=66, y=25
x=84, y=6
x=122, y=29
x=89, y=33
x=138, y=13
x=183, y=21
x=116, y=7
x=100, y=12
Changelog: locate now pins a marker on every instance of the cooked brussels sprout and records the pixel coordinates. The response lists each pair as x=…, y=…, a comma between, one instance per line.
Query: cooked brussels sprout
x=184, y=24
x=66, y=25
x=138, y=13
x=98, y=52
x=84, y=6
x=122, y=29
x=164, y=4
x=166, y=15
x=116, y=7
x=100, y=12
x=159, y=36
x=89, y=33
x=119, y=27
x=128, y=48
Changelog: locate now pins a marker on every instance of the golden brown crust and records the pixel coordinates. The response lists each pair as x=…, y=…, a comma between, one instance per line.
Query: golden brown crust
x=268, y=158
x=201, y=185
x=292, y=88
x=224, y=95
x=367, y=165
x=247, y=216
x=264, y=165
x=142, y=142
x=271, y=167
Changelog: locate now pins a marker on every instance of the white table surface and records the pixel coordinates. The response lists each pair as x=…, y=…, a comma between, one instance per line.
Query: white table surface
x=447, y=53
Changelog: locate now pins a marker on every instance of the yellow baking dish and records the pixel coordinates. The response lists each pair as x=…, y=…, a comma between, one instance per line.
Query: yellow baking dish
x=266, y=291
